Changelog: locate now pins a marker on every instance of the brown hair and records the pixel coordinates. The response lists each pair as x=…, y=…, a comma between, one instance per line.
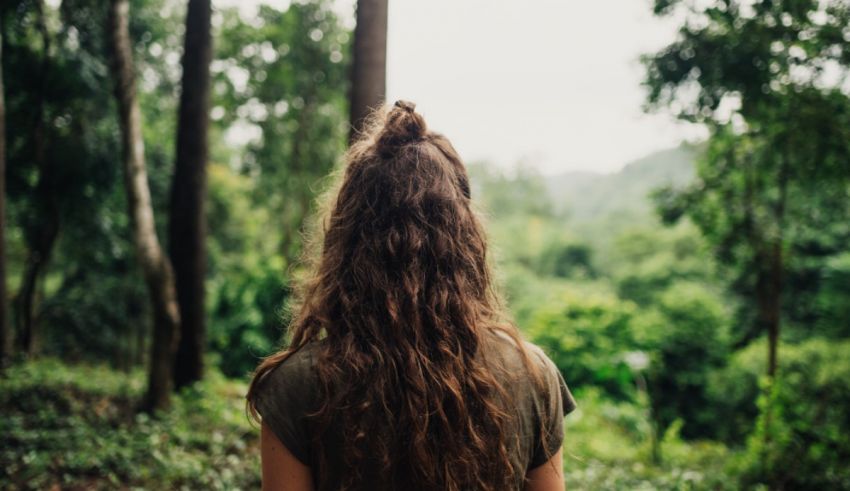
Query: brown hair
x=401, y=298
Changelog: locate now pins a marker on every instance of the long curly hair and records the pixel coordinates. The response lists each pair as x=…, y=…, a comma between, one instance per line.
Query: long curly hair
x=400, y=298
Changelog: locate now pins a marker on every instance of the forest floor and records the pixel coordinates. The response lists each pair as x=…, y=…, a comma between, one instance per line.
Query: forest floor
x=76, y=427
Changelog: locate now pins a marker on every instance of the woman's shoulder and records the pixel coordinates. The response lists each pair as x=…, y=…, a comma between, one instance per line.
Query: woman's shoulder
x=295, y=375
x=298, y=368
x=286, y=395
x=513, y=353
x=511, y=349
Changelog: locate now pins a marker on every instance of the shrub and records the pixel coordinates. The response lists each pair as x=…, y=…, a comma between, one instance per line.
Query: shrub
x=687, y=340
x=800, y=441
x=589, y=337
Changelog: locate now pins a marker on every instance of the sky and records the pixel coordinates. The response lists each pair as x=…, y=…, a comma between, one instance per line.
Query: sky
x=551, y=84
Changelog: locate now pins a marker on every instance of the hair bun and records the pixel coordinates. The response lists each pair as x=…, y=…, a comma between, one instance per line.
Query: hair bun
x=406, y=105
x=402, y=125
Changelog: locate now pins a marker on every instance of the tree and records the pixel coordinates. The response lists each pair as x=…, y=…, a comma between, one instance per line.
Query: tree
x=156, y=267
x=369, y=68
x=43, y=229
x=777, y=164
x=90, y=300
x=187, y=227
x=5, y=333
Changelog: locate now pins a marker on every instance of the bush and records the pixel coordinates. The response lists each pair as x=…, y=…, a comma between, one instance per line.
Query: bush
x=733, y=390
x=248, y=319
x=687, y=340
x=589, y=337
x=800, y=440
x=566, y=259
x=248, y=278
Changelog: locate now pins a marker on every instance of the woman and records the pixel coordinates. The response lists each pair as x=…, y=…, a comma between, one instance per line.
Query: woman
x=401, y=372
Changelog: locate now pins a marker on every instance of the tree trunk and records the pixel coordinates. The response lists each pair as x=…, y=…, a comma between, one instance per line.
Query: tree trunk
x=5, y=332
x=42, y=236
x=156, y=267
x=771, y=307
x=369, y=68
x=768, y=300
x=25, y=300
x=777, y=269
x=187, y=226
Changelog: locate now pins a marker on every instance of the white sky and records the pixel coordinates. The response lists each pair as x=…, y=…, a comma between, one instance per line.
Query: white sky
x=552, y=83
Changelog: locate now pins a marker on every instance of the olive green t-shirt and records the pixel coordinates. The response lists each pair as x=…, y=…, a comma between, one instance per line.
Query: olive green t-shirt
x=291, y=391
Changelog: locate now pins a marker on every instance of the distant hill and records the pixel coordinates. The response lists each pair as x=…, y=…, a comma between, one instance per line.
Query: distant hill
x=588, y=197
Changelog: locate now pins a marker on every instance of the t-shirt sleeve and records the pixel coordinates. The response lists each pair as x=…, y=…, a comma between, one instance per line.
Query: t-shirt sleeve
x=285, y=397
x=554, y=402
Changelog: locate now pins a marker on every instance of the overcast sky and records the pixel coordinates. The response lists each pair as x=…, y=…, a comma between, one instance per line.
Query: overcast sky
x=552, y=83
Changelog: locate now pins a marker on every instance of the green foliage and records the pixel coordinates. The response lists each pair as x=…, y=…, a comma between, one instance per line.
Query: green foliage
x=607, y=446
x=67, y=174
x=248, y=320
x=588, y=337
x=800, y=438
x=756, y=51
x=687, y=340
x=281, y=78
x=732, y=390
x=102, y=317
x=75, y=427
x=283, y=73
x=567, y=260
x=825, y=310
x=832, y=307
x=645, y=262
x=247, y=282
x=771, y=188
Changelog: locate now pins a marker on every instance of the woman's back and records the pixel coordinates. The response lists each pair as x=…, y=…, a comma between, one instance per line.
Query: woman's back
x=292, y=392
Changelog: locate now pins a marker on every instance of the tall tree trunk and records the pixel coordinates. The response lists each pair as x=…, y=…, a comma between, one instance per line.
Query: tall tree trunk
x=769, y=264
x=768, y=300
x=156, y=267
x=773, y=313
x=41, y=237
x=369, y=68
x=5, y=332
x=187, y=227
x=776, y=267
